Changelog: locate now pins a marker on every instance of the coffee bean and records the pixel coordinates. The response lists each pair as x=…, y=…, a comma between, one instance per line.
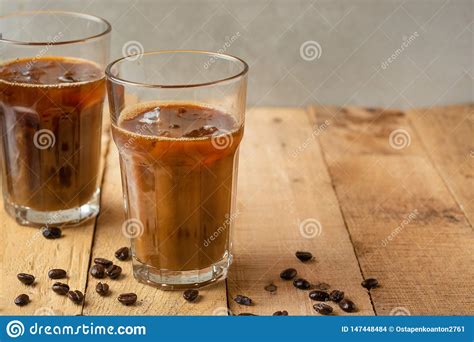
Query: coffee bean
x=304, y=256
x=246, y=314
x=104, y=262
x=347, y=305
x=127, y=298
x=113, y=271
x=323, y=308
x=271, y=288
x=370, y=283
x=75, y=296
x=102, y=289
x=191, y=295
x=122, y=253
x=336, y=296
x=61, y=288
x=98, y=271
x=288, y=274
x=26, y=278
x=22, y=300
x=301, y=284
x=322, y=296
x=280, y=313
x=51, y=232
x=243, y=300
x=57, y=273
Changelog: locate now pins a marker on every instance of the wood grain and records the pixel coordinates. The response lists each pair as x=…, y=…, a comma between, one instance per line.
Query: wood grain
x=283, y=182
x=447, y=134
x=406, y=227
x=108, y=238
x=24, y=249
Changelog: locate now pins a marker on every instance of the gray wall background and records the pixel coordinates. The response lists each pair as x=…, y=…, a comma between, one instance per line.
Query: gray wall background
x=356, y=38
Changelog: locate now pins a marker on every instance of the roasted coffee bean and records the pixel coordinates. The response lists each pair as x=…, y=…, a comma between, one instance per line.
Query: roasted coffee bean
x=57, y=273
x=301, y=284
x=336, y=296
x=304, y=256
x=104, y=262
x=280, y=313
x=114, y=271
x=75, y=296
x=190, y=295
x=122, y=253
x=271, y=288
x=323, y=308
x=243, y=300
x=22, y=300
x=370, y=283
x=51, y=232
x=246, y=314
x=322, y=296
x=288, y=274
x=347, y=305
x=102, y=289
x=61, y=288
x=26, y=278
x=127, y=298
x=98, y=271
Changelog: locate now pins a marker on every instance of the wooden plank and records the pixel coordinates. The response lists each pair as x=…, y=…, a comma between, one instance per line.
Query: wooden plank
x=447, y=134
x=406, y=227
x=24, y=249
x=108, y=238
x=283, y=182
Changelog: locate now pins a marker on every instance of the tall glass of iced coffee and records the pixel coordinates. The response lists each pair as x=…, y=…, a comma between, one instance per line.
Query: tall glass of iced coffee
x=52, y=89
x=177, y=121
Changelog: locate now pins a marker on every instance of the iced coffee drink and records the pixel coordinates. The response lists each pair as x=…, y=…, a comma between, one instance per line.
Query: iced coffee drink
x=177, y=122
x=52, y=90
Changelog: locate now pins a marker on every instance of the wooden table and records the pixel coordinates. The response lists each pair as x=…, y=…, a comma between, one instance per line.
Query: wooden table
x=370, y=192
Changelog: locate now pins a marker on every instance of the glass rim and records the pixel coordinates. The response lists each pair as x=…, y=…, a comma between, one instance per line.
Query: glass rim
x=108, y=27
x=241, y=73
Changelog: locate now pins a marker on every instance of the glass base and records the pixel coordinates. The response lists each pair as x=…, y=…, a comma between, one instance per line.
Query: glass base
x=179, y=280
x=29, y=217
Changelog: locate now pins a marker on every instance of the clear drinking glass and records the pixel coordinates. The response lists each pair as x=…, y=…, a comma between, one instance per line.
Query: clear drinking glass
x=177, y=121
x=52, y=88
